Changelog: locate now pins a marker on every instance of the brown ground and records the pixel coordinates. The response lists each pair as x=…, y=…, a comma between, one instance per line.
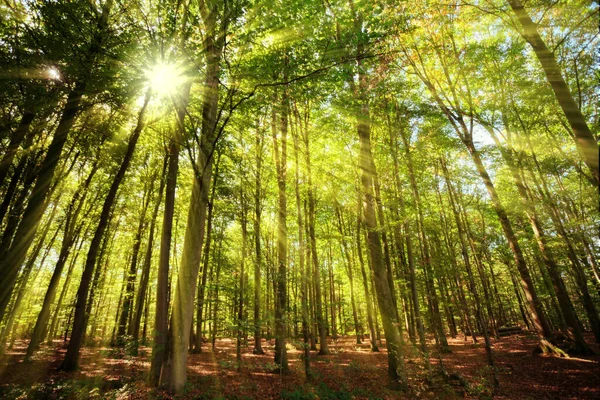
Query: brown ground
x=351, y=371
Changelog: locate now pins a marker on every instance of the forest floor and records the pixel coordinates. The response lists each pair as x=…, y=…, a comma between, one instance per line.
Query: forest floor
x=350, y=371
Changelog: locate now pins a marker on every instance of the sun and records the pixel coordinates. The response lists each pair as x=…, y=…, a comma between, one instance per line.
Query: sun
x=53, y=74
x=165, y=78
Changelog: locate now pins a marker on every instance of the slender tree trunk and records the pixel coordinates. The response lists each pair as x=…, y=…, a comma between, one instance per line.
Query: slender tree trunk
x=281, y=272
x=409, y=251
x=314, y=328
x=161, y=316
x=384, y=240
x=584, y=139
x=465, y=254
x=332, y=301
x=133, y=267
x=216, y=298
x=25, y=276
x=539, y=319
x=301, y=246
x=54, y=324
x=257, y=265
x=206, y=256
x=16, y=212
x=71, y=360
x=69, y=238
x=175, y=375
x=566, y=307
x=396, y=370
x=25, y=164
x=240, y=313
x=370, y=316
x=429, y=281
x=580, y=278
x=143, y=287
x=349, y=271
x=321, y=322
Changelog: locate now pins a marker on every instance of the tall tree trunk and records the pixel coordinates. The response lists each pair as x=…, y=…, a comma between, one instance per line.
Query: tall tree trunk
x=564, y=302
x=301, y=243
x=584, y=139
x=143, y=287
x=321, y=322
x=580, y=277
x=257, y=265
x=537, y=314
x=240, y=311
x=429, y=281
x=466, y=136
x=54, y=324
x=16, y=211
x=71, y=360
x=133, y=267
x=349, y=271
x=314, y=328
x=332, y=301
x=70, y=235
x=215, y=327
x=25, y=164
x=365, y=279
x=161, y=316
x=202, y=286
x=410, y=262
x=25, y=276
x=281, y=271
x=384, y=240
x=187, y=278
x=467, y=261
x=396, y=370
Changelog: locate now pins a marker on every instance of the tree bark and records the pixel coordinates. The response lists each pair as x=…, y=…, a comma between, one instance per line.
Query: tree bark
x=183, y=307
x=25, y=276
x=143, y=287
x=467, y=261
x=202, y=286
x=281, y=271
x=257, y=266
x=133, y=267
x=240, y=313
x=429, y=282
x=161, y=316
x=70, y=235
x=584, y=139
x=321, y=322
x=349, y=271
x=396, y=370
x=71, y=361
x=564, y=302
x=539, y=319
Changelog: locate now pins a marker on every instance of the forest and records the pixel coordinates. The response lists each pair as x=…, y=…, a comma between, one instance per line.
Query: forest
x=299, y=199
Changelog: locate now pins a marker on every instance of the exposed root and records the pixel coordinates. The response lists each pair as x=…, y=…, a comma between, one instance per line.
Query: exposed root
x=546, y=348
